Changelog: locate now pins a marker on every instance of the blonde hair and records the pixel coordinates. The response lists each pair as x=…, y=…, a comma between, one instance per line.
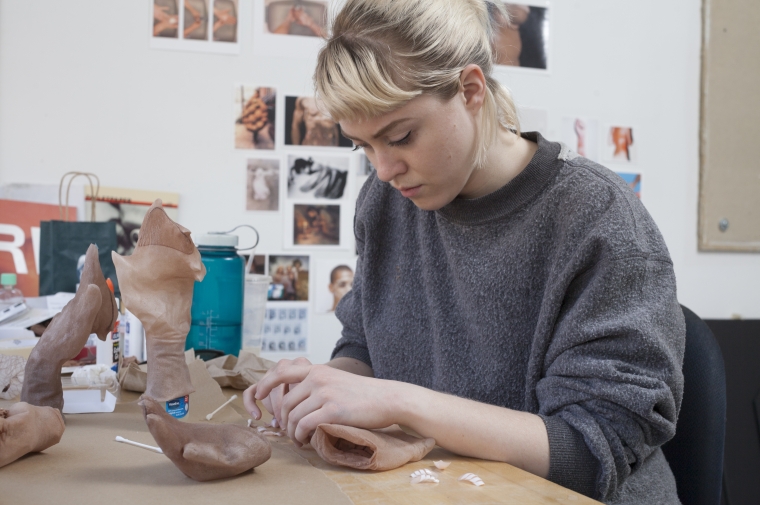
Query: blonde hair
x=382, y=53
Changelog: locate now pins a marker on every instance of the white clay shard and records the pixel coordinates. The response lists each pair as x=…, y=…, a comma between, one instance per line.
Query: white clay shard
x=472, y=478
x=424, y=478
x=274, y=424
x=442, y=465
x=261, y=429
x=423, y=471
x=272, y=434
x=249, y=422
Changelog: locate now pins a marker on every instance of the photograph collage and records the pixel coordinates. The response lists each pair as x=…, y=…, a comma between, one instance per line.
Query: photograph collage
x=301, y=170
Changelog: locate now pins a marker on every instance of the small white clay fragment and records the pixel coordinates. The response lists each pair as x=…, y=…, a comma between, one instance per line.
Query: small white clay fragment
x=442, y=465
x=423, y=471
x=471, y=477
x=274, y=424
x=272, y=433
x=261, y=429
x=424, y=478
x=249, y=422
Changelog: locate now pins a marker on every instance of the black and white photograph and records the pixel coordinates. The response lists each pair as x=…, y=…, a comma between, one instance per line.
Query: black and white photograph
x=263, y=184
x=317, y=177
x=307, y=124
x=523, y=39
x=290, y=278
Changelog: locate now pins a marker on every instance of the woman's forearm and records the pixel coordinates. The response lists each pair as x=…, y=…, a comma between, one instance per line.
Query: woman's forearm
x=474, y=429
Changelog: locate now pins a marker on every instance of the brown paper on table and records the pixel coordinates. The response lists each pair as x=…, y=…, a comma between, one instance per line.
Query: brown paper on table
x=238, y=372
x=384, y=449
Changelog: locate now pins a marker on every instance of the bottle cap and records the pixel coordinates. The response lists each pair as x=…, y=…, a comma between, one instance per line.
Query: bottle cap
x=8, y=279
x=217, y=240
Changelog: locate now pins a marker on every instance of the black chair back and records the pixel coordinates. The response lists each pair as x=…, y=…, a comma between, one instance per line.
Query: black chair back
x=695, y=454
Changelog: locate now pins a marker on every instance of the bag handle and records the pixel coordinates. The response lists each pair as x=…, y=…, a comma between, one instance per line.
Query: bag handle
x=94, y=192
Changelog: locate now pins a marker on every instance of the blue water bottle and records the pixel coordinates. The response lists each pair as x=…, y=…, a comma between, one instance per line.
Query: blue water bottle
x=217, y=311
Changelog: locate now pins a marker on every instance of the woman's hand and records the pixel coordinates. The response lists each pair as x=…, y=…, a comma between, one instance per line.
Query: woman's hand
x=302, y=396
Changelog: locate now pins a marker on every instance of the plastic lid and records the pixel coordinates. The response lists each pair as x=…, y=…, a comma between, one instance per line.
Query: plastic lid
x=8, y=279
x=217, y=240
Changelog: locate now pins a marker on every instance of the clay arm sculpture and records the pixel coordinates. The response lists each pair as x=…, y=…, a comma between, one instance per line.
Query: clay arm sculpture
x=156, y=284
x=93, y=310
x=384, y=449
x=205, y=451
x=26, y=428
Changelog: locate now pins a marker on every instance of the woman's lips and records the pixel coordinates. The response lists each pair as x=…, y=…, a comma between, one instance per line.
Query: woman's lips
x=410, y=192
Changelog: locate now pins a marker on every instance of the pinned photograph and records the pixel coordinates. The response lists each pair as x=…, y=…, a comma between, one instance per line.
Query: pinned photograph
x=296, y=17
x=634, y=182
x=254, y=111
x=207, y=26
x=306, y=124
x=582, y=136
x=225, y=20
x=165, y=18
x=317, y=177
x=620, y=145
x=333, y=278
x=315, y=225
x=263, y=186
x=285, y=328
x=290, y=278
x=195, y=25
x=523, y=39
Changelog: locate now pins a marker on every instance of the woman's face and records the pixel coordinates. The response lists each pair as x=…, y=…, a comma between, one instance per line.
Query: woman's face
x=425, y=149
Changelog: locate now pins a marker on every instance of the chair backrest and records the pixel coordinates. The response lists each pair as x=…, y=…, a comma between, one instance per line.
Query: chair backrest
x=695, y=453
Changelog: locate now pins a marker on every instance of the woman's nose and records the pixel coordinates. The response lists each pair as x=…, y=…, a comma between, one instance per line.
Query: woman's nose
x=388, y=167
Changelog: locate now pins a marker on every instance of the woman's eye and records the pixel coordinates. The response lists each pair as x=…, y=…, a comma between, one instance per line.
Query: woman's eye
x=400, y=141
x=357, y=147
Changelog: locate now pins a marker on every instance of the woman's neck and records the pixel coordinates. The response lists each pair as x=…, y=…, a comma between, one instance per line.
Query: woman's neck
x=506, y=158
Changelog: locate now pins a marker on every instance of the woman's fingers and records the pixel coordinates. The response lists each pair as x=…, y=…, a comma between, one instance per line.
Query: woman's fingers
x=291, y=400
x=282, y=373
x=249, y=400
x=308, y=424
x=303, y=409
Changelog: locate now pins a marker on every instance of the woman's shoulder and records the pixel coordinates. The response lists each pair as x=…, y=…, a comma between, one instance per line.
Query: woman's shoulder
x=590, y=197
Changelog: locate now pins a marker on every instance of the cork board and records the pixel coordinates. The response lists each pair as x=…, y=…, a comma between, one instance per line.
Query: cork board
x=729, y=200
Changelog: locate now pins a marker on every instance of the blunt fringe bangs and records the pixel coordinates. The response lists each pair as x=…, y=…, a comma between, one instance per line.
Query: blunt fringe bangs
x=383, y=53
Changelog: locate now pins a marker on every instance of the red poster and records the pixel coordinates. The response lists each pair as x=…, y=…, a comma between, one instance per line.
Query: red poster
x=19, y=237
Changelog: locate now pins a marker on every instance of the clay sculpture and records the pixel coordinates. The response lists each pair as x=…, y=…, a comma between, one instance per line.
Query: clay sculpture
x=92, y=310
x=25, y=428
x=11, y=376
x=205, y=451
x=156, y=284
x=384, y=449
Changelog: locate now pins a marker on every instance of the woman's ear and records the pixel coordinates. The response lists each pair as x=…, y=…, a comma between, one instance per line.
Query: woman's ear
x=473, y=86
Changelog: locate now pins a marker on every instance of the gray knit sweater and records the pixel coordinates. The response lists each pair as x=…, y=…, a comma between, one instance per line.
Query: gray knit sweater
x=553, y=295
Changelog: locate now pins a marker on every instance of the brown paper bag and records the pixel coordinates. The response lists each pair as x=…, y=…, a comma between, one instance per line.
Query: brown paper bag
x=361, y=449
x=239, y=373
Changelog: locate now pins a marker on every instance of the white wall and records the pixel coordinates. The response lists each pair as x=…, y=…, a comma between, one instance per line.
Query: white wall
x=80, y=89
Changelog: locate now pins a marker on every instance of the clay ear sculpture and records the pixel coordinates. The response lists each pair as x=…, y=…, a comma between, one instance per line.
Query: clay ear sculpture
x=384, y=449
x=156, y=284
x=205, y=451
x=26, y=428
x=92, y=310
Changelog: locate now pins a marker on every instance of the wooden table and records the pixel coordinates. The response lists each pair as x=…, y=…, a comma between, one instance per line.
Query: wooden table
x=87, y=465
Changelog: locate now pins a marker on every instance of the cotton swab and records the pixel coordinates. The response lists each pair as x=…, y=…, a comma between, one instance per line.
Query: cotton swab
x=138, y=444
x=209, y=416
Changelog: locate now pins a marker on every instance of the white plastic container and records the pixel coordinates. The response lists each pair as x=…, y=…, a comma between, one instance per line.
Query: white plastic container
x=134, y=337
x=10, y=295
x=254, y=310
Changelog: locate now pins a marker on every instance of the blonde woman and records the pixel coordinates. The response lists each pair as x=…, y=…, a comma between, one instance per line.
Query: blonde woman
x=512, y=300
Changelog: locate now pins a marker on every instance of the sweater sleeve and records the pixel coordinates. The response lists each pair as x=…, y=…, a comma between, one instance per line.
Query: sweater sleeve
x=612, y=383
x=353, y=343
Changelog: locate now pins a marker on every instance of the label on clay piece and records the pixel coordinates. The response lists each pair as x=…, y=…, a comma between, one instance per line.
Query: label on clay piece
x=179, y=406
